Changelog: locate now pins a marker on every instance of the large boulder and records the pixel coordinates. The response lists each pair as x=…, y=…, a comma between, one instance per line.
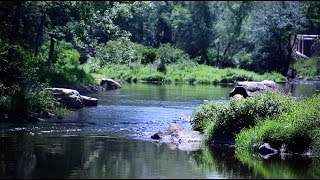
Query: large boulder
x=249, y=88
x=177, y=137
x=109, y=83
x=71, y=98
x=89, y=101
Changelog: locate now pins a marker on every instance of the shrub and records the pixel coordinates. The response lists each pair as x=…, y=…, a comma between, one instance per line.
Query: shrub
x=148, y=55
x=298, y=128
x=121, y=50
x=309, y=68
x=38, y=99
x=66, y=68
x=226, y=120
x=162, y=67
x=212, y=55
x=169, y=54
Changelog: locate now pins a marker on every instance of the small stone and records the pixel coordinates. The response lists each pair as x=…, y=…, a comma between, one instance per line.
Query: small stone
x=157, y=135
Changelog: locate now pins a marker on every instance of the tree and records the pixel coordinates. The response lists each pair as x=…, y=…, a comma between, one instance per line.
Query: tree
x=192, y=26
x=229, y=30
x=275, y=25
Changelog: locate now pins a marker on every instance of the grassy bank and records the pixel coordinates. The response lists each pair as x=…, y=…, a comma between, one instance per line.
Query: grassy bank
x=225, y=120
x=184, y=72
x=308, y=68
x=298, y=129
x=267, y=117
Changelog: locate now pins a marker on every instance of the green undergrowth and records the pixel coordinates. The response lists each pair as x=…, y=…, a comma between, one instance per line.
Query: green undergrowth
x=183, y=72
x=227, y=119
x=298, y=129
x=308, y=68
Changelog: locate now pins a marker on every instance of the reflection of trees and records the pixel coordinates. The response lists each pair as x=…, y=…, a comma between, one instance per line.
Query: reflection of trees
x=43, y=156
x=135, y=159
x=293, y=167
x=16, y=156
x=222, y=160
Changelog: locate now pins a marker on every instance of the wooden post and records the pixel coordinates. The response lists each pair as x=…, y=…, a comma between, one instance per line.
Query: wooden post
x=302, y=46
x=298, y=44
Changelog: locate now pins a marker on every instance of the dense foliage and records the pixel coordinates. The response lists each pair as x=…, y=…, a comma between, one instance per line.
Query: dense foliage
x=49, y=42
x=226, y=120
x=298, y=129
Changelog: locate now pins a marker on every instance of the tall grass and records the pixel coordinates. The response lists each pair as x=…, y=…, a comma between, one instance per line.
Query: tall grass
x=226, y=120
x=309, y=68
x=181, y=72
x=298, y=129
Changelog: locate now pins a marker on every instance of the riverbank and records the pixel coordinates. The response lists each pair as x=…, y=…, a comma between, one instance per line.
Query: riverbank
x=268, y=117
x=186, y=72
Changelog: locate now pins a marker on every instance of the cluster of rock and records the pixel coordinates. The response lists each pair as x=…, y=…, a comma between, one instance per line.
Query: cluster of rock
x=83, y=89
x=71, y=98
x=177, y=137
x=244, y=89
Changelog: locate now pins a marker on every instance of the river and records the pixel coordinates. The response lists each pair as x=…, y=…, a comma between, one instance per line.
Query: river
x=112, y=139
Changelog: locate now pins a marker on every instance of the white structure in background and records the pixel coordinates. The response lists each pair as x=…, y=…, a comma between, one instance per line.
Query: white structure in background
x=299, y=48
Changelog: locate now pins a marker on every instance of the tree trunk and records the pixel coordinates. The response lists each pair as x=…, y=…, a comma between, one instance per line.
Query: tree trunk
x=51, y=50
x=11, y=63
x=39, y=35
x=14, y=33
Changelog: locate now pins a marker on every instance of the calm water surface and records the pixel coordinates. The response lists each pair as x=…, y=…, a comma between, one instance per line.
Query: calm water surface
x=112, y=140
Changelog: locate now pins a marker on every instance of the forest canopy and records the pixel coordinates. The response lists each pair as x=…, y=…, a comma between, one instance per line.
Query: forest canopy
x=47, y=42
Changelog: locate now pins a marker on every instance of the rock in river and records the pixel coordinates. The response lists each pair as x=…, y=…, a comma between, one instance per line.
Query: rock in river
x=177, y=137
x=109, y=83
x=71, y=98
x=249, y=88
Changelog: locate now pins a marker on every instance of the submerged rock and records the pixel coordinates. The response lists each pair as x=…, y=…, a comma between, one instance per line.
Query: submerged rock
x=157, y=135
x=177, y=137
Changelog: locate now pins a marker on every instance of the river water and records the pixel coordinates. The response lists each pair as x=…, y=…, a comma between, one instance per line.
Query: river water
x=112, y=140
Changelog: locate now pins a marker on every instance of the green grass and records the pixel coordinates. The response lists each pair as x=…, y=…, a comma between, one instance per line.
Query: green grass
x=226, y=120
x=185, y=72
x=298, y=129
x=309, y=68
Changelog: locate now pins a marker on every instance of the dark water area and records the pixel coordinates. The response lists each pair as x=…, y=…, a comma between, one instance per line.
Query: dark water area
x=112, y=140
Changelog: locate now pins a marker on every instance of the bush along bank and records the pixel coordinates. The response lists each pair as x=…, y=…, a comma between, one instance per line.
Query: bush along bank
x=294, y=131
x=268, y=117
x=28, y=105
x=181, y=72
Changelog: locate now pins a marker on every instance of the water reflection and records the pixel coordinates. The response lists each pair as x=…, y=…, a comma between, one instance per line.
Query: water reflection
x=291, y=167
x=222, y=160
x=91, y=157
x=301, y=89
x=106, y=142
